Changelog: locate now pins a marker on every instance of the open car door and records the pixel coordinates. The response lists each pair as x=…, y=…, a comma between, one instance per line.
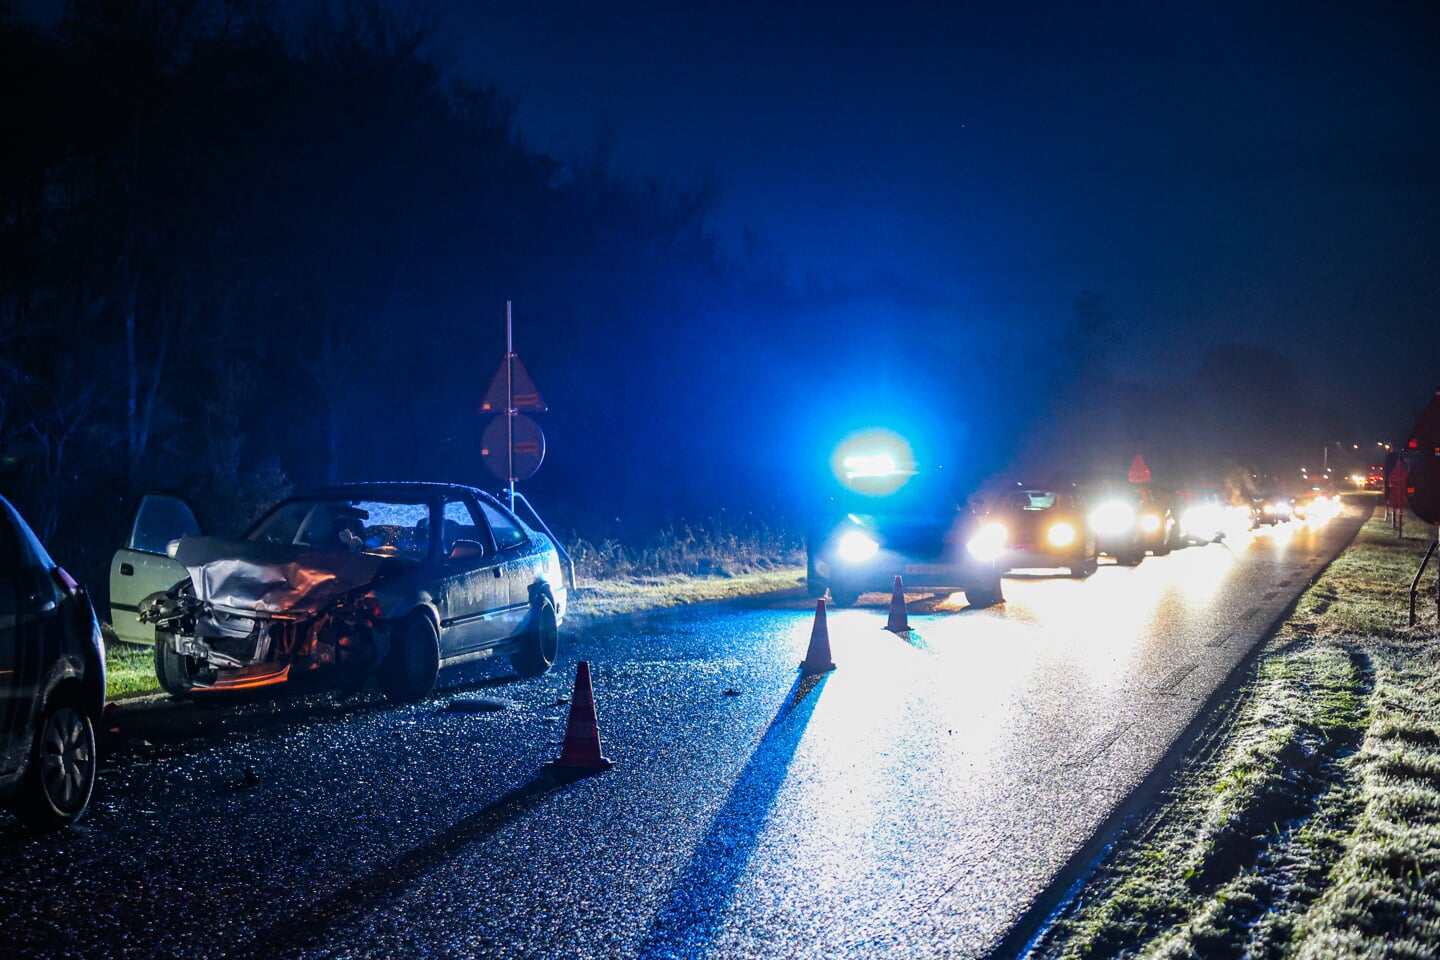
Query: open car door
x=142, y=567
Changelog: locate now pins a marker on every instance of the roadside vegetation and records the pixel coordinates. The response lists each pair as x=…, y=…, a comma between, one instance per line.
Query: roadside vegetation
x=715, y=559
x=1308, y=823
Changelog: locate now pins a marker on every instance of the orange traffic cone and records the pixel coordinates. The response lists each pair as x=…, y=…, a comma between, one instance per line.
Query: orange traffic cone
x=898, y=622
x=580, y=753
x=817, y=658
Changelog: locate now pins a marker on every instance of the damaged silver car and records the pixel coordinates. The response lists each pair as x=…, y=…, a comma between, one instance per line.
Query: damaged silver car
x=391, y=580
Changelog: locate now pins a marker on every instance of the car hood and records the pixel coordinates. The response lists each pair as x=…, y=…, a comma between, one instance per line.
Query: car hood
x=1030, y=524
x=271, y=578
x=919, y=535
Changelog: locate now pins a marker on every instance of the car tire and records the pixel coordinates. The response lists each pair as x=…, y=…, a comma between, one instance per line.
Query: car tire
x=413, y=663
x=172, y=669
x=63, y=765
x=1084, y=566
x=542, y=640
x=986, y=594
x=843, y=596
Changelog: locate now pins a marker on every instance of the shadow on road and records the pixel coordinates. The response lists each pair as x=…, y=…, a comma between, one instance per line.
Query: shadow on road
x=165, y=720
x=311, y=922
x=688, y=920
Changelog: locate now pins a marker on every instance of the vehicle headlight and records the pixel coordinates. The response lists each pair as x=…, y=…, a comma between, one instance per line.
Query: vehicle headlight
x=989, y=542
x=1150, y=522
x=1061, y=534
x=857, y=547
x=1113, y=517
x=1203, y=521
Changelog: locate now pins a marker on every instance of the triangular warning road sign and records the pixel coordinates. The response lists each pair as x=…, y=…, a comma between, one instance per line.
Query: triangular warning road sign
x=523, y=394
x=1139, y=472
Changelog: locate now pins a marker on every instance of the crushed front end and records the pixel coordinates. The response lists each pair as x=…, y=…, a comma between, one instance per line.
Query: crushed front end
x=255, y=615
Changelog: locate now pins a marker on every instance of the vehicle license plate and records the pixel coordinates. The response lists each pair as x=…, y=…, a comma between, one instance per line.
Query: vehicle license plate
x=926, y=569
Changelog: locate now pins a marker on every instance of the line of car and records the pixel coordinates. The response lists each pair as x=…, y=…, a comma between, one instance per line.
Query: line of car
x=912, y=526
x=390, y=581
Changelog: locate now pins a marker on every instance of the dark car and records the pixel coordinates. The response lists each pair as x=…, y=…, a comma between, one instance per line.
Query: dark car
x=1204, y=514
x=394, y=580
x=1115, y=517
x=1319, y=501
x=52, y=682
x=1276, y=506
x=918, y=530
x=1046, y=527
x=1131, y=520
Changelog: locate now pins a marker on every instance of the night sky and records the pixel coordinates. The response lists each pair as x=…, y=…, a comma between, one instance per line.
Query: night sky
x=1265, y=174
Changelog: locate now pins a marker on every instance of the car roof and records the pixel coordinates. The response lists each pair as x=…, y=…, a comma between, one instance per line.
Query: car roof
x=394, y=489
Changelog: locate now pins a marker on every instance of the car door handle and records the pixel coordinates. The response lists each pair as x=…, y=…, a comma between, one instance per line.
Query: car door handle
x=126, y=570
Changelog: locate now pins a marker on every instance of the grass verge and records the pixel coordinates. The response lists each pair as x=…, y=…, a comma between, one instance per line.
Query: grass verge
x=130, y=670
x=1309, y=826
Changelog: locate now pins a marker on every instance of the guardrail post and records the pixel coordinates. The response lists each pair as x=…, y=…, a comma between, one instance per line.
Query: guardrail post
x=1415, y=584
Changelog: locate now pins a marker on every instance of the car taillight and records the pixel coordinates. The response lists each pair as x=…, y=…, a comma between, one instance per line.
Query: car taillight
x=66, y=582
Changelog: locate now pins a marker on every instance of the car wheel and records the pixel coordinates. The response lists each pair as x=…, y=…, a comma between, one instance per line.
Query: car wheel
x=62, y=770
x=173, y=670
x=1083, y=566
x=410, y=668
x=986, y=594
x=843, y=596
x=542, y=640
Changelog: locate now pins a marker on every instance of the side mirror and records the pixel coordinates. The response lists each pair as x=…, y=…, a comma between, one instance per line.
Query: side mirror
x=466, y=550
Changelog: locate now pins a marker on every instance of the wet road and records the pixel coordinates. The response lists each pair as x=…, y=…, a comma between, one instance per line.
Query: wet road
x=916, y=800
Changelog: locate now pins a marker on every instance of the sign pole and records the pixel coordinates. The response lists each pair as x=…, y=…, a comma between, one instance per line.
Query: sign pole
x=510, y=403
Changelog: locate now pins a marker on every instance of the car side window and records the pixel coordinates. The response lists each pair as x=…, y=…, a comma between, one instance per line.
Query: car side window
x=507, y=533
x=24, y=563
x=11, y=559
x=160, y=519
x=458, y=523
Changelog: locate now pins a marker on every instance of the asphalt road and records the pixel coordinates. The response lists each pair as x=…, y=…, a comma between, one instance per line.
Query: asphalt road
x=915, y=801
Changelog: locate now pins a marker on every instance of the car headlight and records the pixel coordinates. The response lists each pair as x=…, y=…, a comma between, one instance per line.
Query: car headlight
x=1113, y=518
x=1150, y=522
x=1203, y=521
x=1061, y=534
x=857, y=547
x=989, y=542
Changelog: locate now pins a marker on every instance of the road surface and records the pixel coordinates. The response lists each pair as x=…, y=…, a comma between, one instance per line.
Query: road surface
x=916, y=800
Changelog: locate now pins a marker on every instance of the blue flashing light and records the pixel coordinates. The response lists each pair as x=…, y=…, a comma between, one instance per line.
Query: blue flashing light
x=880, y=460
x=864, y=465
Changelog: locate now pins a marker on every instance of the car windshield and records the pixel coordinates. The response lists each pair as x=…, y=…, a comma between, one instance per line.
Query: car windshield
x=1033, y=500
x=382, y=527
x=922, y=496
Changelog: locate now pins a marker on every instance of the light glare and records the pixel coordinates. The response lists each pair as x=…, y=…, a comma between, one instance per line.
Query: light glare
x=989, y=543
x=856, y=547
